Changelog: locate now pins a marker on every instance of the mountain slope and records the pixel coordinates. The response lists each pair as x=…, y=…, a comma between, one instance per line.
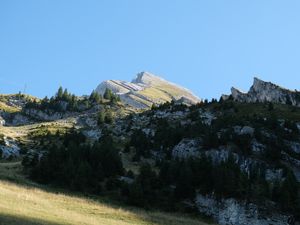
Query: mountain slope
x=235, y=161
x=147, y=89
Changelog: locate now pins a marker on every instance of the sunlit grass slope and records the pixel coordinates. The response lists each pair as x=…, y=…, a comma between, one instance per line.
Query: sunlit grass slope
x=22, y=202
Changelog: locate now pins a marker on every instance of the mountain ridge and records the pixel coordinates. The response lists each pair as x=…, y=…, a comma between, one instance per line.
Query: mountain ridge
x=262, y=91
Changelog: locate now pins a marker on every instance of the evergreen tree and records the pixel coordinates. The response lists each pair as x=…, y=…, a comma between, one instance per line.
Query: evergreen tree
x=107, y=94
x=101, y=117
x=60, y=92
x=95, y=97
x=109, y=117
x=65, y=96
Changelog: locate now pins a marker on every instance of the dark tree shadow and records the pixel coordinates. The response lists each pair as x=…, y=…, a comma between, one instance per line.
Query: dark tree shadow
x=6, y=219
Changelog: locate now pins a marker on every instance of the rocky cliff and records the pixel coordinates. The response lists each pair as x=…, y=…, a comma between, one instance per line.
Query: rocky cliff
x=262, y=91
x=147, y=89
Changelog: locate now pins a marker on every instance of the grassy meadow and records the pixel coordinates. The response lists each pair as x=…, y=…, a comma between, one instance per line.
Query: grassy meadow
x=24, y=202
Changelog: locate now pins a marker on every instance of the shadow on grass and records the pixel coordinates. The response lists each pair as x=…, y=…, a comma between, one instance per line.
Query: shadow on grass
x=6, y=219
x=13, y=173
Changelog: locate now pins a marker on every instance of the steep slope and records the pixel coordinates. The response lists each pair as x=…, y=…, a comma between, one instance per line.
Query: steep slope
x=147, y=89
x=262, y=91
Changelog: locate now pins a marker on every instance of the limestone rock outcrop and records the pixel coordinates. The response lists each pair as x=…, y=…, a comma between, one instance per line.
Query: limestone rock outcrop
x=262, y=91
x=232, y=211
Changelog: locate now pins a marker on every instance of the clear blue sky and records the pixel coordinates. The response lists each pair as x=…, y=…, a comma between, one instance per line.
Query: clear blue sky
x=207, y=46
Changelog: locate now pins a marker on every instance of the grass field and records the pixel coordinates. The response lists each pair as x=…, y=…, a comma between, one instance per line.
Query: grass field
x=24, y=202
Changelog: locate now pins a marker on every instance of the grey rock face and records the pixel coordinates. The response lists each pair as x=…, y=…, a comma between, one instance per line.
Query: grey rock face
x=186, y=148
x=41, y=115
x=10, y=148
x=273, y=175
x=92, y=134
x=257, y=148
x=262, y=91
x=246, y=130
x=231, y=211
x=19, y=119
x=293, y=163
x=2, y=121
x=295, y=147
x=207, y=117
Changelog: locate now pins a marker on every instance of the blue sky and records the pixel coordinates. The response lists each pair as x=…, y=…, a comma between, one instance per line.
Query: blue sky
x=206, y=46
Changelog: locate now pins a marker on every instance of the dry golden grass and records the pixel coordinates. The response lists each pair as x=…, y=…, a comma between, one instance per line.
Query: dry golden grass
x=22, y=132
x=154, y=93
x=26, y=204
x=10, y=109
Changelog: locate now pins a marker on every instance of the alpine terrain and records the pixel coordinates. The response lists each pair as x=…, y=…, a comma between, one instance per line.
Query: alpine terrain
x=151, y=152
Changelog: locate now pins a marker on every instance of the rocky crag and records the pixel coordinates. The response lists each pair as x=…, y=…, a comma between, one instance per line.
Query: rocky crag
x=262, y=91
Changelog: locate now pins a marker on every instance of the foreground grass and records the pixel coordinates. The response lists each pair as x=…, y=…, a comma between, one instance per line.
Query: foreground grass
x=23, y=202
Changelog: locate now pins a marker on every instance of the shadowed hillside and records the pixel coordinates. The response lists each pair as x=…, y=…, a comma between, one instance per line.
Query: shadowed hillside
x=24, y=202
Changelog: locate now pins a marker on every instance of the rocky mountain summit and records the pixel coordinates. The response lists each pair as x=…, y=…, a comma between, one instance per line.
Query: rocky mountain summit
x=147, y=89
x=262, y=91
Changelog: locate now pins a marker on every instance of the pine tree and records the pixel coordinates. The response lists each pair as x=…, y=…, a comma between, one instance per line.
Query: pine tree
x=66, y=95
x=95, y=97
x=109, y=117
x=107, y=94
x=60, y=92
x=101, y=117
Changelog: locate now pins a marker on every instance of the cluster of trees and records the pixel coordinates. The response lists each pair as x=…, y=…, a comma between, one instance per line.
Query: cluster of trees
x=105, y=116
x=78, y=166
x=64, y=101
x=166, y=136
x=95, y=97
x=109, y=95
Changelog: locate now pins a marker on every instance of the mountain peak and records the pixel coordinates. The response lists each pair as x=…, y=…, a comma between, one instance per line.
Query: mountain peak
x=146, y=78
x=147, y=89
x=256, y=80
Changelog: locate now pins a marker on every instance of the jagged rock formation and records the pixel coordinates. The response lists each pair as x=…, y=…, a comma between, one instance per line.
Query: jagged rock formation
x=262, y=91
x=147, y=89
